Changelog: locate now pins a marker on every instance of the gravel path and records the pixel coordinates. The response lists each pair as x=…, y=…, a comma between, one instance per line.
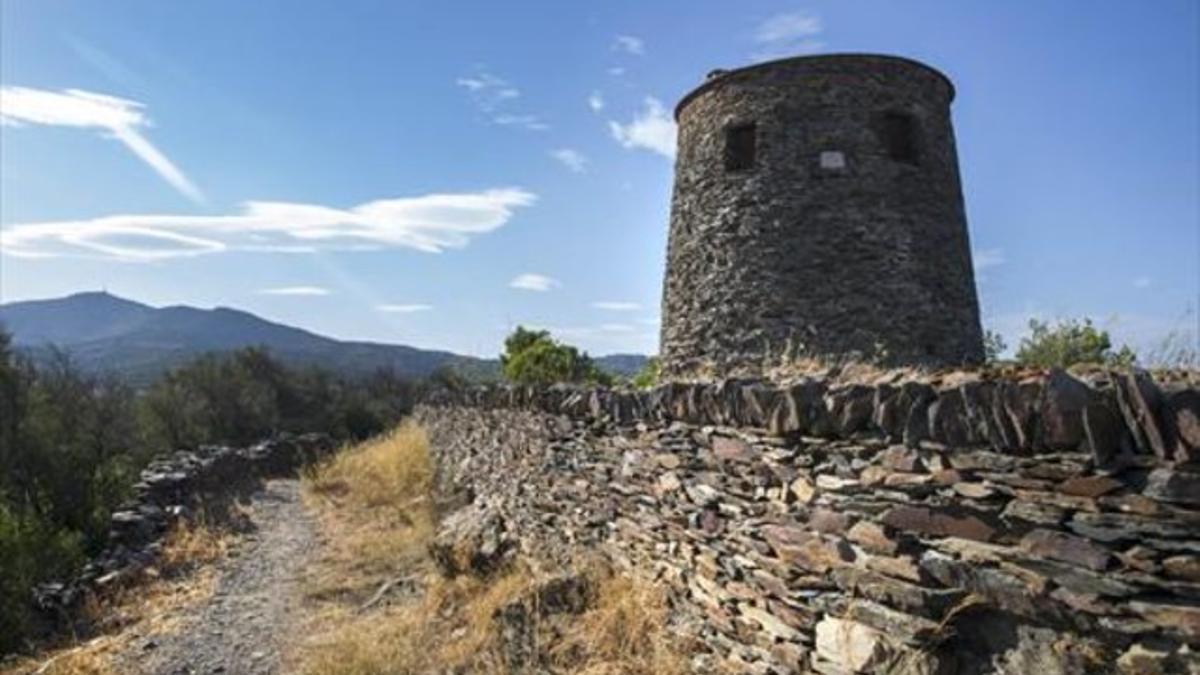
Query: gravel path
x=243, y=627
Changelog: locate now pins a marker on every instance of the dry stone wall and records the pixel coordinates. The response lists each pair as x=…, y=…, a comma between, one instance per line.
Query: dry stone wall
x=1041, y=525
x=174, y=489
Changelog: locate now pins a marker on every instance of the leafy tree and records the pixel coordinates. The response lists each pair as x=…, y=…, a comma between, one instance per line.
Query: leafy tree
x=1070, y=342
x=533, y=357
x=993, y=346
x=648, y=376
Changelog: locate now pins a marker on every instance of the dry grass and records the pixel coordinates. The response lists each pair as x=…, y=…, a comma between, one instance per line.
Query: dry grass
x=183, y=578
x=451, y=627
x=375, y=514
x=377, y=518
x=624, y=631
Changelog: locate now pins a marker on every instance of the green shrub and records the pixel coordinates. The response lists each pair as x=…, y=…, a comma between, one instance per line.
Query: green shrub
x=1069, y=342
x=648, y=376
x=533, y=357
x=31, y=551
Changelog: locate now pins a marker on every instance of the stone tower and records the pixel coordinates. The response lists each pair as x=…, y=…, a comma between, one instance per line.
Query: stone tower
x=817, y=210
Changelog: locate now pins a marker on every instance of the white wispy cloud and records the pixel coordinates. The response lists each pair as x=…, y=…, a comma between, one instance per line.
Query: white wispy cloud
x=615, y=306
x=429, y=223
x=488, y=90
x=617, y=328
x=494, y=97
x=572, y=159
x=533, y=282
x=616, y=71
x=651, y=129
x=530, y=122
x=403, y=309
x=294, y=290
x=116, y=117
x=595, y=101
x=1141, y=282
x=629, y=44
x=788, y=34
x=987, y=258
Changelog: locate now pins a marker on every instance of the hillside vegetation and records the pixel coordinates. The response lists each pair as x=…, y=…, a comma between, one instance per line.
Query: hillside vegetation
x=72, y=445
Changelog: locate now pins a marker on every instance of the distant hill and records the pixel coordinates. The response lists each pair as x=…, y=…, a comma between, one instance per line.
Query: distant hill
x=627, y=365
x=105, y=333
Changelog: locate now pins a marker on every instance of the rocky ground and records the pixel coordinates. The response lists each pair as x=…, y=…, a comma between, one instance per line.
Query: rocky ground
x=244, y=626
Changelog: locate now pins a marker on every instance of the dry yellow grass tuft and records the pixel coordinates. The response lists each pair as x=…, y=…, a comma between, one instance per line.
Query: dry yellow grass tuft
x=392, y=472
x=377, y=604
x=181, y=579
x=375, y=513
x=625, y=631
x=452, y=627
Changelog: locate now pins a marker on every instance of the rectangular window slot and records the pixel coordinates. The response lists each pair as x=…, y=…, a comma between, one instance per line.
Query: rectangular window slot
x=740, y=147
x=898, y=131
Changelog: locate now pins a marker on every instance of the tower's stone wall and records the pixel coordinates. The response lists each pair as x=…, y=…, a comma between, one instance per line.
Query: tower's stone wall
x=817, y=210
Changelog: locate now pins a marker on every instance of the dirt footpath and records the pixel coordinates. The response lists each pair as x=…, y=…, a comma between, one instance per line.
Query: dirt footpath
x=244, y=627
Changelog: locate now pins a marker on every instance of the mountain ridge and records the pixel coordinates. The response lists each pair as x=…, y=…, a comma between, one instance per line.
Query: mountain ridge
x=103, y=332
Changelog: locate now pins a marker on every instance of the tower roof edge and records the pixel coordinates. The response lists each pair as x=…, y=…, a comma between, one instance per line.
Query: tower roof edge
x=719, y=76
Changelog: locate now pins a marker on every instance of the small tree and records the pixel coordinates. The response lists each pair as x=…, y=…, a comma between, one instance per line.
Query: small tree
x=1070, y=342
x=648, y=376
x=993, y=346
x=533, y=357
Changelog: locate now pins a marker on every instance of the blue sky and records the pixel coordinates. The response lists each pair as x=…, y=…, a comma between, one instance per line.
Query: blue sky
x=435, y=173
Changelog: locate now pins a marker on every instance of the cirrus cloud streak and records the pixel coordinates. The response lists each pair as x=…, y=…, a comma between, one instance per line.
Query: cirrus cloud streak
x=403, y=309
x=429, y=223
x=119, y=117
x=311, y=291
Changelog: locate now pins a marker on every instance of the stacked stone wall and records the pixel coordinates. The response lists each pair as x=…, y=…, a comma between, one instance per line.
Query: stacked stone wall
x=1049, y=524
x=180, y=487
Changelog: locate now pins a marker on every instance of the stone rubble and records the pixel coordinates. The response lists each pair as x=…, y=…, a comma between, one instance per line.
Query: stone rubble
x=1049, y=524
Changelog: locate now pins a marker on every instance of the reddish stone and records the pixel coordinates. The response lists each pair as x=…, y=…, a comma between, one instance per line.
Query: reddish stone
x=732, y=449
x=829, y=521
x=937, y=523
x=947, y=477
x=872, y=537
x=805, y=549
x=710, y=522
x=1183, y=620
x=873, y=475
x=1186, y=567
x=1067, y=548
x=1141, y=558
x=900, y=458
x=1181, y=409
x=1089, y=486
x=903, y=567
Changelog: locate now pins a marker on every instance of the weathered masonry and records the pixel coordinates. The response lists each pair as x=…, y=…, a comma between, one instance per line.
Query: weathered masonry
x=817, y=210
x=1039, y=524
